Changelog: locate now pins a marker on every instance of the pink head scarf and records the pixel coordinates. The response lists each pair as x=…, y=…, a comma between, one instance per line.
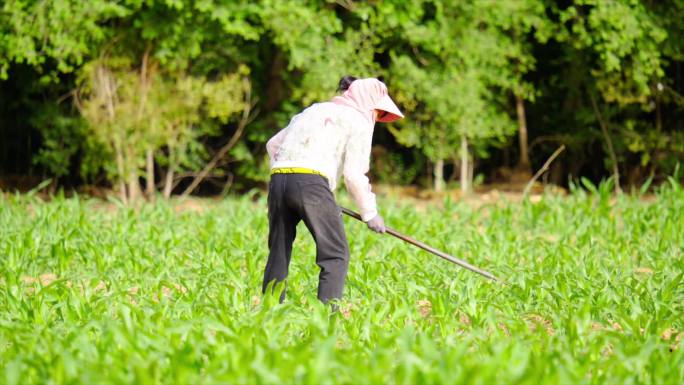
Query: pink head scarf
x=368, y=95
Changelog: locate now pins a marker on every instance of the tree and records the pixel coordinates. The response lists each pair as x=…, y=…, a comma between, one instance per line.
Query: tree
x=625, y=41
x=519, y=24
x=136, y=112
x=599, y=76
x=444, y=81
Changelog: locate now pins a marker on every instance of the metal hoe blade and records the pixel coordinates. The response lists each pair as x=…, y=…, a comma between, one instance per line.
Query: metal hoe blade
x=430, y=249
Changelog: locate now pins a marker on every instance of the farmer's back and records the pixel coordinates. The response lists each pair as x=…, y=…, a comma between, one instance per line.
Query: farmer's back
x=319, y=138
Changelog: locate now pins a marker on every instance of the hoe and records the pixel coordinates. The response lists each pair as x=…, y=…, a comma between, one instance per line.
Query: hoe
x=430, y=249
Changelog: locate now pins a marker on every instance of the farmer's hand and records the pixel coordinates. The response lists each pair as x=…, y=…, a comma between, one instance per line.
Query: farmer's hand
x=376, y=224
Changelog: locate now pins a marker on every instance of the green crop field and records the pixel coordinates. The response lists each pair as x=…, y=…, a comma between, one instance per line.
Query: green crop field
x=95, y=293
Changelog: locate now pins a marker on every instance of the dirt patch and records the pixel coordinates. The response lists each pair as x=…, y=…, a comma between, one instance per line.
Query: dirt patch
x=504, y=329
x=425, y=308
x=256, y=300
x=464, y=319
x=483, y=195
x=490, y=194
x=193, y=205
x=190, y=205
x=43, y=279
x=346, y=311
x=536, y=322
x=607, y=350
x=616, y=326
x=669, y=333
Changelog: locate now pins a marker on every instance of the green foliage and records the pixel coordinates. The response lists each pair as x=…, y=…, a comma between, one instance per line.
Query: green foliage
x=63, y=136
x=66, y=31
x=393, y=168
x=449, y=90
x=91, y=292
x=456, y=68
x=319, y=49
x=132, y=111
x=627, y=38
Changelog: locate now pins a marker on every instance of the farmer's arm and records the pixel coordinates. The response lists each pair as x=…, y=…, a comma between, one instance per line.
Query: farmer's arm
x=356, y=165
x=273, y=144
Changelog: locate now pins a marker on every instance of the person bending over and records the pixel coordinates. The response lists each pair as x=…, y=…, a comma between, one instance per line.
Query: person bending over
x=321, y=143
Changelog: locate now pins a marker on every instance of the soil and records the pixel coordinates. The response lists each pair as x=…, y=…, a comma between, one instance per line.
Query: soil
x=482, y=195
x=419, y=197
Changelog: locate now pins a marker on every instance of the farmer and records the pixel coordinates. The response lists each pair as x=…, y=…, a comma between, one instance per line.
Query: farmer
x=321, y=143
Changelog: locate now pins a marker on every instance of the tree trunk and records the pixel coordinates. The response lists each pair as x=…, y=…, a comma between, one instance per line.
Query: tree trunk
x=145, y=85
x=150, y=190
x=659, y=117
x=465, y=186
x=609, y=143
x=524, y=161
x=120, y=170
x=107, y=86
x=471, y=174
x=133, y=187
x=439, y=175
x=168, y=183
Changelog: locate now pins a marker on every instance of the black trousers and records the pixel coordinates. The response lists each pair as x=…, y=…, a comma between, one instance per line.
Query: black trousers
x=307, y=197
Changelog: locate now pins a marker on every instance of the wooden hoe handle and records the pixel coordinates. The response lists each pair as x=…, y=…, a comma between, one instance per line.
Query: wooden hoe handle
x=429, y=248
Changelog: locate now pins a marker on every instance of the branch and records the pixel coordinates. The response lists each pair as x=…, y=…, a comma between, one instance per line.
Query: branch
x=542, y=170
x=71, y=94
x=547, y=138
x=346, y=4
x=679, y=99
x=420, y=58
x=247, y=117
x=196, y=174
x=228, y=184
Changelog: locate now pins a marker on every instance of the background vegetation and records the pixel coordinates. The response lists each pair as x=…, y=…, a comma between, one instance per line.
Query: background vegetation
x=179, y=96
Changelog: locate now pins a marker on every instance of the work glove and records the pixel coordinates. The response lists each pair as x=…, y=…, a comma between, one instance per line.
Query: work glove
x=376, y=224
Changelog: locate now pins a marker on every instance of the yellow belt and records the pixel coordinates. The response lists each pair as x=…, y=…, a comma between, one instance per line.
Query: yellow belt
x=296, y=170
